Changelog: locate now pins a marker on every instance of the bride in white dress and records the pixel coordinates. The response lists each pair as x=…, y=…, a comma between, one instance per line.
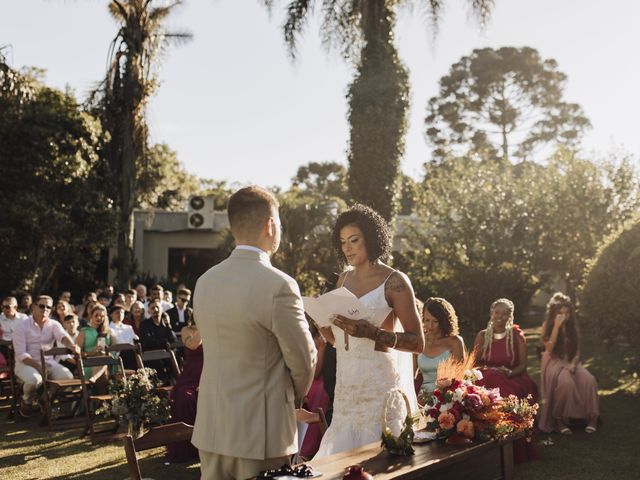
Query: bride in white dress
x=378, y=357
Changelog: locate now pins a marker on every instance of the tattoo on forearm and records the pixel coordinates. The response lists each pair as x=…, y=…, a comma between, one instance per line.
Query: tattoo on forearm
x=407, y=341
x=395, y=283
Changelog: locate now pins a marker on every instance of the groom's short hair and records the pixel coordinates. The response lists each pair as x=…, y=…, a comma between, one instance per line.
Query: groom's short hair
x=249, y=208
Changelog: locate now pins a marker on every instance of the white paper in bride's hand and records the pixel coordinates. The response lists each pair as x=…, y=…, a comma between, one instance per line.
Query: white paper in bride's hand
x=341, y=302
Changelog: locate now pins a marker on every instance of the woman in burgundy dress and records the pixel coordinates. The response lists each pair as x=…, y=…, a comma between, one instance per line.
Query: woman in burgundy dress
x=570, y=391
x=501, y=350
x=184, y=396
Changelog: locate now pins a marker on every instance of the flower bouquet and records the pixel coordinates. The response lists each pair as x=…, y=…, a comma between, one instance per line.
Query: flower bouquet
x=460, y=411
x=135, y=400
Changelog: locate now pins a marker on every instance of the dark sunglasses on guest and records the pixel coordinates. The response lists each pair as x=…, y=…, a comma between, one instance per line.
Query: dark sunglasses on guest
x=42, y=306
x=4, y=307
x=183, y=299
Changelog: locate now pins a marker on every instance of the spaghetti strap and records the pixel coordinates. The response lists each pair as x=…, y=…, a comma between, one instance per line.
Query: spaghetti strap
x=344, y=279
x=388, y=277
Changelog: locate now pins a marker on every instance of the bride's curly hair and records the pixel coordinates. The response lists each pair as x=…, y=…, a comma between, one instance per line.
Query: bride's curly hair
x=375, y=231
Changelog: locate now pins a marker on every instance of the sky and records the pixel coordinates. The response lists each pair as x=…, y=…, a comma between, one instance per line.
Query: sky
x=235, y=106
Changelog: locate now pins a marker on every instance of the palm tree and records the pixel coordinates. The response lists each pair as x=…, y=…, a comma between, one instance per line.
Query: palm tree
x=362, y=30
x=131, y=80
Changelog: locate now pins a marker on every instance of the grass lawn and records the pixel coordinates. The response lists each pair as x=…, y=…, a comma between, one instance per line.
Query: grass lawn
x=29, y=451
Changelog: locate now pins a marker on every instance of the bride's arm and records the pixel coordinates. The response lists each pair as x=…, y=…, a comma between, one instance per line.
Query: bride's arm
x=399, y=294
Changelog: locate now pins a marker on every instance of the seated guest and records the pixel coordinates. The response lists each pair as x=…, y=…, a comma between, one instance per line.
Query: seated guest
x=81, y=310
x=570, y=391
x=440, y=326
x=86, y=312
x=502, y=351
x=157, y=293
x=61, y=310
x=130, y=296
x=93, y=340
x=123, y=333
x=184, y=396
x=26, y=304
x=104, y=298
x=71, y=325
x=10, y=317
x=155, y=333
x=181, y=314
x=29, y=337
x=135, y=317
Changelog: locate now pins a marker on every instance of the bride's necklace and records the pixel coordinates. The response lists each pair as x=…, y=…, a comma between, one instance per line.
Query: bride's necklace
x=499, y=336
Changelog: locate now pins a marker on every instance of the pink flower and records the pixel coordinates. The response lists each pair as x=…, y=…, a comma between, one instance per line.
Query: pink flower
x=473, y=401
x=465, y=427
x=443, y=382
x=446, y=420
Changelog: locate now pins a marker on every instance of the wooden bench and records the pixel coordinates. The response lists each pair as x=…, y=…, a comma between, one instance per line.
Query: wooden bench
x=491, y=460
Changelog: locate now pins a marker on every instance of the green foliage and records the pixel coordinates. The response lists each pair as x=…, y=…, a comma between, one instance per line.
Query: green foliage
x=501, y=104
x=379, y=95
x=305, y=250
x=163, y=182
x=326, y=178
x=378, y=107
x=483, y=231
x=610, y=299
x=121, y=102
x=54, y=214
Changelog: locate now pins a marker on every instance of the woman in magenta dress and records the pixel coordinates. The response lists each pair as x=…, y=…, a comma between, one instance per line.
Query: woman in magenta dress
x=184, y=396
x=569, y=390
x=501, y=350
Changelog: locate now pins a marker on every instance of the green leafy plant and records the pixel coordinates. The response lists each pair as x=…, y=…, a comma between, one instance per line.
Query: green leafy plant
x=135, y=400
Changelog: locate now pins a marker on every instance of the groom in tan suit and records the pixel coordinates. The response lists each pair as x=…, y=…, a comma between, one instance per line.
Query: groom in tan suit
x=259, y=357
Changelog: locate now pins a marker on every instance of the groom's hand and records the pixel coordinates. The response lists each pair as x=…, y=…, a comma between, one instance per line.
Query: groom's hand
x=356, y=328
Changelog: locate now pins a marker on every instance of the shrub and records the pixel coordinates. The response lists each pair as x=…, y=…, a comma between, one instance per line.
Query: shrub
x=610, y=298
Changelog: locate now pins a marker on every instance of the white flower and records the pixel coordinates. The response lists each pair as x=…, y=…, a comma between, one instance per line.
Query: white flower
x=458, y=394
x=445, y=407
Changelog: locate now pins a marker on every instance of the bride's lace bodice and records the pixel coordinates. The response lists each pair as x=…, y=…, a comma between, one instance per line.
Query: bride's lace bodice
x=364, y=377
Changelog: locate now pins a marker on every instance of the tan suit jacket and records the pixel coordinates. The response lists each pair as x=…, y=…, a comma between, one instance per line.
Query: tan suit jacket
x=258, y=358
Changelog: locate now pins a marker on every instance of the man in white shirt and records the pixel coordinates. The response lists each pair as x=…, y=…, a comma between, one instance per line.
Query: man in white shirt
x=10, y=317
x=29, y=337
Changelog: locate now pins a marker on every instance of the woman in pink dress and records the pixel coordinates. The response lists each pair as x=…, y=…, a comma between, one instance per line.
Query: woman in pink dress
x=501, y=349
x=569, y=390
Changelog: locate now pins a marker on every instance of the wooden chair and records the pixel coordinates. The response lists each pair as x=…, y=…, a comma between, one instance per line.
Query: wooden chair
x=146, y=359
x=89, y=399
x=155, y=437
x=10, y=384
x=59, y=392
x=177, y=349
x=120, y=348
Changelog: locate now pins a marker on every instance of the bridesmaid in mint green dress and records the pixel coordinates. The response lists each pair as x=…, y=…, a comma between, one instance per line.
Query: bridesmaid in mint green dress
x=440, y=325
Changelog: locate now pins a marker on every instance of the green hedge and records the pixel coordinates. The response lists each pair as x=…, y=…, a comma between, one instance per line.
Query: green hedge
x=610, y=299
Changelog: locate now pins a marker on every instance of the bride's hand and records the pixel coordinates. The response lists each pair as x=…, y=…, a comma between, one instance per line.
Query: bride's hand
x=356, y=328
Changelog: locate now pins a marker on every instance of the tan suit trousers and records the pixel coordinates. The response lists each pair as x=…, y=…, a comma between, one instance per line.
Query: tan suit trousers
x=221, y=467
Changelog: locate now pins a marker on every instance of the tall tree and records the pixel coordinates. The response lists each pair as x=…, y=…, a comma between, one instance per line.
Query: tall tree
x=502, y=104
x=326, y=178
x=131, y=81
x=54, y=215
x=362, y=30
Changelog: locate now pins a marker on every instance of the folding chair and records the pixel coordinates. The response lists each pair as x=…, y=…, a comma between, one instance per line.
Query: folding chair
x=121, y=348
x=90, y=400
x=10, y=382
x=59, y=392
x=149, y=357
x=155, y=437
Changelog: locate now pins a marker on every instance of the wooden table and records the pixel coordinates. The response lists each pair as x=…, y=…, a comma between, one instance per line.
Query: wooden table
x=489, y=460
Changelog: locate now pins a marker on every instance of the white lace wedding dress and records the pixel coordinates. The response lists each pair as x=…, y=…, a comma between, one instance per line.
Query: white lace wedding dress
x=364, y=378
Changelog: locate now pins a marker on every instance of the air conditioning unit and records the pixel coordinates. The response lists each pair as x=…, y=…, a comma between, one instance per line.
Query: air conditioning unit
x=200, y=213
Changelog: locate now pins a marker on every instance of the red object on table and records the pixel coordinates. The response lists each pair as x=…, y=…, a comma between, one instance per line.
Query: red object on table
x=356, y=472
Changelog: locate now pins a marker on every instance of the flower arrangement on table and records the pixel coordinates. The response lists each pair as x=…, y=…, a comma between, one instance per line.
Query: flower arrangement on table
x=460, y=410
x=135, y=400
